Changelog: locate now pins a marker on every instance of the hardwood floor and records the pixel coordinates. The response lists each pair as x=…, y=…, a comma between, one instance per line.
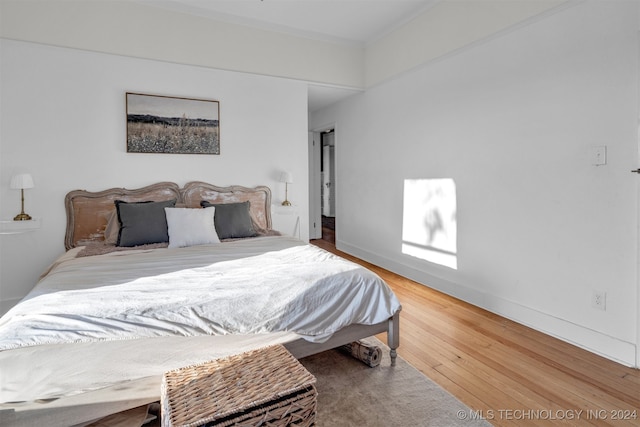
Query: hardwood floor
x=506, y=372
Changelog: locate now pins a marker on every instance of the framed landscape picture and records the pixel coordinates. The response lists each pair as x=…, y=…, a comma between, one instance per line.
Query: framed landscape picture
x=164, y=124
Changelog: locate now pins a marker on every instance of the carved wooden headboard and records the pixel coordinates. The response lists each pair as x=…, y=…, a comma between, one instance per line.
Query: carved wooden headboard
x=258, y=197
x=89, y=212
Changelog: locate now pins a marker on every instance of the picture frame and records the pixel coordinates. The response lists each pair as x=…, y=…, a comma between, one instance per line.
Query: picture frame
x=172, y=125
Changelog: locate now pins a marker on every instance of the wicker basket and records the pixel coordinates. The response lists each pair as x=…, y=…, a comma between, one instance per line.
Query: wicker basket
x=265, y=387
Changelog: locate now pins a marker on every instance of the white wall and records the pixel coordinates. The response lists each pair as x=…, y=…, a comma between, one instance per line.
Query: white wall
x=511, y=121
x=63, y=120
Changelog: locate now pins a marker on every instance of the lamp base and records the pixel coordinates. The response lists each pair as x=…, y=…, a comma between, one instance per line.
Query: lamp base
x=22, y=217
x=286, y=203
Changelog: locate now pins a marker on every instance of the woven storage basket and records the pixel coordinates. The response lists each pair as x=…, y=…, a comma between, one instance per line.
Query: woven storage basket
x=264, y=387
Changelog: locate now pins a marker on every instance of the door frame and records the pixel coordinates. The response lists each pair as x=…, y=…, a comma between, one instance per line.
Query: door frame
x=315, y=203
x=638, y=199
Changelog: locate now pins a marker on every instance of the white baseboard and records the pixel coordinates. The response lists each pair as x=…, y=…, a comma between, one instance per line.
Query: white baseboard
x=596, y=342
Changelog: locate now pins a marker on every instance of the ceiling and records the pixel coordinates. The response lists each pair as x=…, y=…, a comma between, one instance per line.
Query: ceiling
x=354, y=22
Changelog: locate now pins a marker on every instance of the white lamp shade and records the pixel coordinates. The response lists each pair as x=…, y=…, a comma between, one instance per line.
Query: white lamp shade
x=286, y=177
x=23, y=180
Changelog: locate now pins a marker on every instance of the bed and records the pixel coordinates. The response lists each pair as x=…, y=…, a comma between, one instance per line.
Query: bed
x=126, y=302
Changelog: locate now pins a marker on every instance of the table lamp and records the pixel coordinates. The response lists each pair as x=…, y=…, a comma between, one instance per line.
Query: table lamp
x=287, y=178
x=20, y=182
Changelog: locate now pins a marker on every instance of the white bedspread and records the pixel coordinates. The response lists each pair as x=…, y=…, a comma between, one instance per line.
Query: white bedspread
x=267, y=288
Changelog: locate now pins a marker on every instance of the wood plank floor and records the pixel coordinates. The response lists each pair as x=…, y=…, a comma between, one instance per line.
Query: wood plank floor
x=508, y=373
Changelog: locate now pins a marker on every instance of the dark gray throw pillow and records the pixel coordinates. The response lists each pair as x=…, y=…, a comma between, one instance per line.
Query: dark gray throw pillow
x=232, y=220
x=142, y=223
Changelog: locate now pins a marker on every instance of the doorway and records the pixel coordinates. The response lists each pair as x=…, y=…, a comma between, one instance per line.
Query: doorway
x=317, y=183
x=328, y=185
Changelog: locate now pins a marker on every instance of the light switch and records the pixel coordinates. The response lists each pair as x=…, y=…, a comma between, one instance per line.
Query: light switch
x=598, y=155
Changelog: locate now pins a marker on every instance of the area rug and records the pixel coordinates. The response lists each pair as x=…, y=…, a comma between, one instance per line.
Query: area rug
x=350, y=393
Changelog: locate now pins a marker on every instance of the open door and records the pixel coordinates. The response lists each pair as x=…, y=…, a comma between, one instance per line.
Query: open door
x=328, y=179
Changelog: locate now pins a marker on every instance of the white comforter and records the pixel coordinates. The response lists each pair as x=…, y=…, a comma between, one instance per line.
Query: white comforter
x=270, y=286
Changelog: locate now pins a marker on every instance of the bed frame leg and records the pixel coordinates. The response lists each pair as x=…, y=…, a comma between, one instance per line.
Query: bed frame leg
x=393, y=336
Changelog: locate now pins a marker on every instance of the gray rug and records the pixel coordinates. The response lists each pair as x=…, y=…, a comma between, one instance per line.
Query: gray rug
x=351, y=393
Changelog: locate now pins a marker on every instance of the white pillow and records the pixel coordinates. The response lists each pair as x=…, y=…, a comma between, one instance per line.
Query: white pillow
x=190, y=227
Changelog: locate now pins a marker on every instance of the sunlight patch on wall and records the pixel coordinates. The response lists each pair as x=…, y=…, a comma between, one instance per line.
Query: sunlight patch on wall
x=429, y=226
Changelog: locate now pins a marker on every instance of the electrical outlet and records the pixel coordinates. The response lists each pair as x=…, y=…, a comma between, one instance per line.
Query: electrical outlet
x=599, y=300
x=598, y=155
